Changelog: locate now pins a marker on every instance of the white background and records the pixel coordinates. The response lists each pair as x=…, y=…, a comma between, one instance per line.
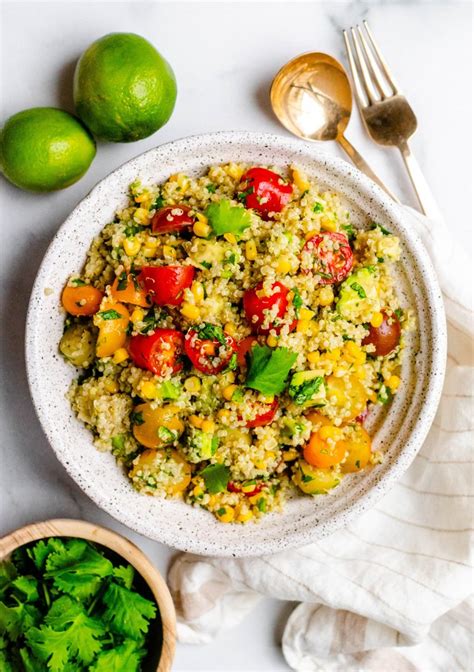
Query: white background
x=224, y=56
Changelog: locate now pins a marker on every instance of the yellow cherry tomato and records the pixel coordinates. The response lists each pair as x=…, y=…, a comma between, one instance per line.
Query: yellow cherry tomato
x=112, y=321
x=359, y=446
x=348, y=394
x=156, y=427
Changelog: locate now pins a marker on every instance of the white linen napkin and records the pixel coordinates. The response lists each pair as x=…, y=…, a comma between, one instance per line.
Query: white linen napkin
x=390, y=592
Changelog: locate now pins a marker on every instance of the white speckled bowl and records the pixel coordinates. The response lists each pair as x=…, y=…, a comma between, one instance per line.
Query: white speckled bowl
x=304, y=519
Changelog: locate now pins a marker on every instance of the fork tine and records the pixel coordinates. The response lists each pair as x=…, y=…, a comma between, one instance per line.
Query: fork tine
x=372, y=94
x=382, y=61
x=372, y=66
x=359, y=89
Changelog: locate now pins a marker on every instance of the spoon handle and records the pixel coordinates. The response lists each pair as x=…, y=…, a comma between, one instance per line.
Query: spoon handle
x=424, y=195
x=362, y=164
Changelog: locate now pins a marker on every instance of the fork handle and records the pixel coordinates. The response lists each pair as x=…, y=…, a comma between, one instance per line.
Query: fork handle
x=362, y=164
x=424, y=194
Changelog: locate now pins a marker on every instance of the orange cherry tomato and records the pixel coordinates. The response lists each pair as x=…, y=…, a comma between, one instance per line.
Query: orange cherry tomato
x=81, y=300
x=112, y=321
x=323, y=453
x=127, y=289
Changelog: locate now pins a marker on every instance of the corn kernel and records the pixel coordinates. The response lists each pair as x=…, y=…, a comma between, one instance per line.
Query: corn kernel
x=328, y=224
x=326, y=296
x=197, y=288
x=260, y=464
x=334, y=355
x=270, y=455
x=227, y=515
x=141, y=216
x=192, y=384
x=196, y=421
x=208, y=426
x=313, y=357
x=235, y=171
x=306, y=314
x=141, y=198
x=131, y=246
x=329, y=432
x=376, y=320
x=169, y=252
x=190, y=311
x=224, y=415
x=244, y=517
x=372, y=397
x=229, y=328
x=230, y=238
x=359, y=371
x=311, y=234
x=289, y=455
x=283, y=266
x=137, y=315
x=148, y=389
x=212, y=501
x=181, y=179
x=201, y=229
x=250, y=250
x=353, y=349
x=393, y=383
x=272, y=341
x=302, y=326
x=228, y=392
x=300, y=179
x=198, y=491
x=111, y=386
x=266, y=399
x=120, y=355
x=149, y=251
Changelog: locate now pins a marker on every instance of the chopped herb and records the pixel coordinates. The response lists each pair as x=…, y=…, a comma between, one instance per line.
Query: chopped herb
x=211, y=332
x=231, y=258
x=359, y=289
x=357, y=464
x=385, y=231
x=399, y=313
x=304, y=391
x=262, y=504
x=385, y=395
x=110, y=315
x=122, y=281
x=77, y=282
x=216, y=477
x=242, y=195
x=207, y=264
x=118, y=442
x=136, y=418
x=297, y=300
x=225, y=218
x=158, y=203
x=380, y=260
x=307, y=478
x=349, y=231
x=211, y=188
x=232, y=365
x=238, y=395
x=221, y=511
x=131, y=229
x=269, y=368
x=318, y=207
x=166, y=434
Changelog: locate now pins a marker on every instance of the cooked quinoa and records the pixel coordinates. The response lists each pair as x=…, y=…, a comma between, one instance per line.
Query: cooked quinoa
x=232, y=331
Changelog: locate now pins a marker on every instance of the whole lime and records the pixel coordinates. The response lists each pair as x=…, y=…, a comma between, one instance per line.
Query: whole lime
x=124, y=90
x=44, y=149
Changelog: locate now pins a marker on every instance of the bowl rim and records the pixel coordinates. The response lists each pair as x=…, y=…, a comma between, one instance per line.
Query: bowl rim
x=372, y=192
x=126, y=549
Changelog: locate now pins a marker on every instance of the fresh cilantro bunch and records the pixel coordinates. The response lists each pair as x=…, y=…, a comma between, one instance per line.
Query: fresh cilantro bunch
x=66, y=607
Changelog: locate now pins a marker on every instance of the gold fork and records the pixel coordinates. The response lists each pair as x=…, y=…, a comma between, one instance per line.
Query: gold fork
x=386, y=113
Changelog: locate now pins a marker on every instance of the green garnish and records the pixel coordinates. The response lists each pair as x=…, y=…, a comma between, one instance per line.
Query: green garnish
x=297, y=300
x=359, y=289
x=110, y=315
x=399, y=313
x=136, y=418
x=269, y=368
x=211, y=188
x=77, y=282
x=242, y=195
x=318, y=207
x=131, y=229
x=226, y=218
x=65, y=606
x=211, y=332
x=304, y=387
x=238, y=395
x=216, y=477
x=122, y=281
x=262, y=504
x=118, y=442
x=349, y=231
x=169, y=390
x=207, y=264
x=385, y=231
x=158, y=204
x=166, y=434
x=385, y=395
x=232, y=365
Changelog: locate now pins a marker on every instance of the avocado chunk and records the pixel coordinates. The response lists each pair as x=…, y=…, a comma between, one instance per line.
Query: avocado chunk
x=200, y=445
x=78, y=345
x=307, y=389
x=358, y=296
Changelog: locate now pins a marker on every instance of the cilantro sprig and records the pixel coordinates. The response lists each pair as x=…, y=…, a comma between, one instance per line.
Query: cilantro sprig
x=269, y=369
x=65, y=605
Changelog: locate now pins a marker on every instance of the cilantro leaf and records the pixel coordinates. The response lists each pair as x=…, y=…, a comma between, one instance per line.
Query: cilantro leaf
x=41, y=550
x=269, y=368
x=5, y=664
x=7, y=574
x=126, y=612
x=385, y=232
x=124, y=658
x=318, y=207
x=110, y=314
x=359, y=289
x=211, y=332
x=15, y=620
x=26, y=587
x=78, y=570
x=124, y=575
x=216, y=477
x=297, y=300
x=226, y=218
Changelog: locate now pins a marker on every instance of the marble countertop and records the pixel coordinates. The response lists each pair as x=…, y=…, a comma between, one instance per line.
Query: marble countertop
x=224, y=56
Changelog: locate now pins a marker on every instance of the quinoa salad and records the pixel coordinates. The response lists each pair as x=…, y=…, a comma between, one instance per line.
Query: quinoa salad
x=231, y=332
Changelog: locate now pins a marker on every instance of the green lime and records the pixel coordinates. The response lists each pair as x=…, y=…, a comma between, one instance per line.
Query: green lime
x=44, y=149
x=124, y=90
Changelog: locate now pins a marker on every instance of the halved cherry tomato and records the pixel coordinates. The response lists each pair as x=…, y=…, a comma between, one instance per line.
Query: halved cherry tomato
x=243, y=347
x=172, y=218
x=112, y=321
x=323, y=453
x=159, y=353
x=166, y=284
x=235, y=487
x=127, y=289
x=209, y=355
x=386, y=337
x=332, y=257
x=256, y=307
x=264, y=413
x=359, y=447
x=81, y=300
x=264, y=191
x=347, y=394
x=149, y=423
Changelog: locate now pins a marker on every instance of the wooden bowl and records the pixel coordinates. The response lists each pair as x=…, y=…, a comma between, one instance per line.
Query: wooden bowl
x=118, y=544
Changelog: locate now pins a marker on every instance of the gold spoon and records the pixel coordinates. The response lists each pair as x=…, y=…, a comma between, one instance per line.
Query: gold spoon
x=311, y=96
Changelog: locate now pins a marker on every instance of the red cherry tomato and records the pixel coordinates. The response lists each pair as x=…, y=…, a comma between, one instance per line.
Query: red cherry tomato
x=264, y=414
x=166, y=284
x=235, y=487
x=386, y=337
x=332, y=257
x=209, y=355
x=243, y=347
x=160, y=352
x=362, y=416
x=265, y=191
x=256, y=307
x=172, y=218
